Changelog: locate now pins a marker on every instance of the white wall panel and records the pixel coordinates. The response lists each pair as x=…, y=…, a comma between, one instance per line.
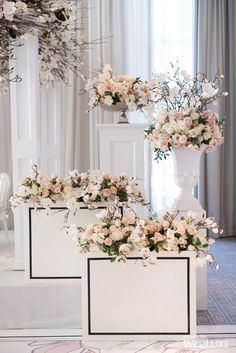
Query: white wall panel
x=24, y=122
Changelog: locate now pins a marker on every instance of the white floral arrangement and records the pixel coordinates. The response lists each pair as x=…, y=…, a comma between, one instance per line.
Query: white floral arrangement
x=89, y=188
x=61, y=42
x=183, y=119
x=107, y=89
x=119, y=235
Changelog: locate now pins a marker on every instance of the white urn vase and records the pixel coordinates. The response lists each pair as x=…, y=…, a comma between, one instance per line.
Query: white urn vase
x=186, y=174
x=118, y=107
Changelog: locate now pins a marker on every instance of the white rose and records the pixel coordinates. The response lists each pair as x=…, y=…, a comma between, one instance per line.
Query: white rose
x=23, y=191
x=207, y=135
x=181, y=228
x=108, y=100
x=21, y=5
x=74, y=173
x=46, y=202
x=144, y=252
x=117, y=235
x=125, y=248
x=9, y=9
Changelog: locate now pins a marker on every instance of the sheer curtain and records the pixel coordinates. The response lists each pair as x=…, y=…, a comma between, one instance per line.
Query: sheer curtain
x=5, y=141
x=215, y=52
x=172, y=40
x=5, y=134
x=63, y=109
x=124, y=29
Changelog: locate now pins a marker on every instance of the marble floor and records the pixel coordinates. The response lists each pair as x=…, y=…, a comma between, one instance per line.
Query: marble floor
x=210, y=338
x=62, y=344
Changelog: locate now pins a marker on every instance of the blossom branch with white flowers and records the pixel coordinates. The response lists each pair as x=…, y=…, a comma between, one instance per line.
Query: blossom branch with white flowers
x=61, y=42
x=179, y=91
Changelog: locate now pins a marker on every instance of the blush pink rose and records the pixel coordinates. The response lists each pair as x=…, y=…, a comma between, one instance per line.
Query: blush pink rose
x=49, y=186
x=175, y=143
x=108, y=241
x=158, y=226
x=192, y=229
x=211, y=120
x=176, y=137
x=158, y=237
x=113, y=190
x=33, y=198
x=106, y=192
x=57, y=188
x=164, y=145
x=154, y=133
x=183, y=139
x=45, y=193
x=187, y=121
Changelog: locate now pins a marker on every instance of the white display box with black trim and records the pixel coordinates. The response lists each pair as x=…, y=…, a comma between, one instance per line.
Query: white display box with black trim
x=51, y=255
x=130, y=301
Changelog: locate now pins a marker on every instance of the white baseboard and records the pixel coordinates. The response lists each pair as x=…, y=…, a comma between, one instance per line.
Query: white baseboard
x=77, y=333
x=42, y=333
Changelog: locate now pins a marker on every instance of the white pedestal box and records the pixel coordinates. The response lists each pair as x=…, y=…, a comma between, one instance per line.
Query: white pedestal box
x=122, y=149
x=130, y=301
x=51, y=255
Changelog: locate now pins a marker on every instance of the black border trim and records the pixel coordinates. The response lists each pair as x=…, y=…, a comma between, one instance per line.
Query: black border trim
x=139, y=333
x=30, y=243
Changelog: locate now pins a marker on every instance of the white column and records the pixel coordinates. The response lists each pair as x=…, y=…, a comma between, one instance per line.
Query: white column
x=25, y=125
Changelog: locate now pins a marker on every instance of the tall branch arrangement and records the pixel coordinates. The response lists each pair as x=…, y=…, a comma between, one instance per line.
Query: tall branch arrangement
x=61, y=42
x=183, y=118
